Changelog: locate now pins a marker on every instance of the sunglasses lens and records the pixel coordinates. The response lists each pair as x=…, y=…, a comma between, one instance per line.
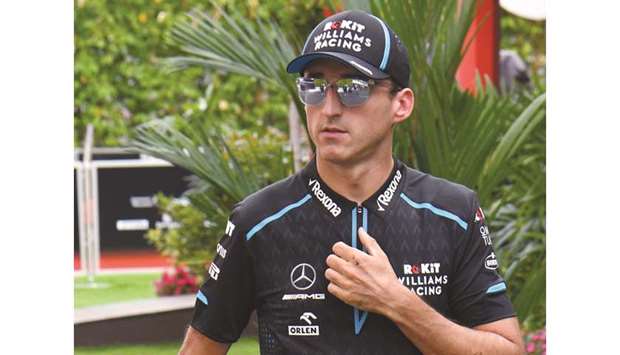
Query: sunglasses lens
x=353, y=92
x=311, y=91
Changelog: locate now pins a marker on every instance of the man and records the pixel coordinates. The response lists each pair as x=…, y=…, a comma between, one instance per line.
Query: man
x=357, y=253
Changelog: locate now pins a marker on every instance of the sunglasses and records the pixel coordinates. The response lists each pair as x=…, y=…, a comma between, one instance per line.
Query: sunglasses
x=351, y=91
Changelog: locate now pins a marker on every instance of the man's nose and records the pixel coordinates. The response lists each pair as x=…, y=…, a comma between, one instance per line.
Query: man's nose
x=332, y=105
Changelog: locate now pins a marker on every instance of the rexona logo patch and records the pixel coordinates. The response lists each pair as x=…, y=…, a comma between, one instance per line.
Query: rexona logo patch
x=387, y=195
x=308, y=329
x=425, y=279
x=327, y=202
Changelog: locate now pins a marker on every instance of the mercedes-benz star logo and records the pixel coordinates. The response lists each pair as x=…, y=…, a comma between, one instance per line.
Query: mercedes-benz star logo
x=303, y=276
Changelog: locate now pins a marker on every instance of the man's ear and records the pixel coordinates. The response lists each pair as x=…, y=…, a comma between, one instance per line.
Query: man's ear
x=403, y=102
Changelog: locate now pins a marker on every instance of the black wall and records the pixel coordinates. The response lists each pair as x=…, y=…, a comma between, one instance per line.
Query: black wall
x=116, y=187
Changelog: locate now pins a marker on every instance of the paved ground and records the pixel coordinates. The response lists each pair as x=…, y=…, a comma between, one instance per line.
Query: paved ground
x=127, y=259
x=133, y=308
x=128, y=270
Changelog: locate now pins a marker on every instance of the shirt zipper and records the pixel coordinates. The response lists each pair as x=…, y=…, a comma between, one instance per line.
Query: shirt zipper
x=360, y=216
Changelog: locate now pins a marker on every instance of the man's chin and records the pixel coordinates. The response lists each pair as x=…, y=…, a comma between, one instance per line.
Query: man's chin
x=334, y=155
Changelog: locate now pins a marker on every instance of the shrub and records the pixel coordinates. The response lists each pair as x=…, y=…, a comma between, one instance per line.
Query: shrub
x=536, y=342
x=183, y=240
x=120, y=81
x=179, y=282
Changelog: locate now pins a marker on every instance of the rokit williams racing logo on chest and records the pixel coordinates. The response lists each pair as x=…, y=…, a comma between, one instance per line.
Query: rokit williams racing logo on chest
x=425, y=279
x=387, y=195
x=327, y=202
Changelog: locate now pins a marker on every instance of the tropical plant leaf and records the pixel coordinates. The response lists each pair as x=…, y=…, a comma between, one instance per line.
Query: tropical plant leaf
x=206, y=155
x=230, y=43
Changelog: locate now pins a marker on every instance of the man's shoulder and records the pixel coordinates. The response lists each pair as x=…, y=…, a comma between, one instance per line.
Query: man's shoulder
x=440, y=193
x=268, y=201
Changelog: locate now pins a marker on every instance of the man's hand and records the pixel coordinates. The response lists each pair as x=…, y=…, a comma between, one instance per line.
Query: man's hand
x=362, y=280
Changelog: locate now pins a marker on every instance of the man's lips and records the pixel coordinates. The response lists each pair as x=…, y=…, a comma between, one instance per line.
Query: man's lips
x=332, y=133
x=333, y=130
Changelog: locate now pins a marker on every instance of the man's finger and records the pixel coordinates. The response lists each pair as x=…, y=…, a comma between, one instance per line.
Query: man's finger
x=337, y=291
x=336, y=278
x=341, y=266
x=348, y=253
x=371, y=245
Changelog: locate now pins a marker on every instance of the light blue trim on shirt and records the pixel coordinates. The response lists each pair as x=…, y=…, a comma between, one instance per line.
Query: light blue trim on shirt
x=354, y=228
x=202, y=297
x=365, y=220
x=359, y=317
x=273, y=217
x=435, y=210
x=497, y=288
x=359, y=320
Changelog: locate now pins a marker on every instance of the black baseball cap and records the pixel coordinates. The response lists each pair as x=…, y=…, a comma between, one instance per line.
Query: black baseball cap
x=360, y=40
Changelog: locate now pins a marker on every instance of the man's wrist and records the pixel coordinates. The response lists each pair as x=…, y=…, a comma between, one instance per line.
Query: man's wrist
x=399, y=301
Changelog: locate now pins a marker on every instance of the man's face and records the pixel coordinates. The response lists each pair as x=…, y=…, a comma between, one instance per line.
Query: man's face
x=347, y=135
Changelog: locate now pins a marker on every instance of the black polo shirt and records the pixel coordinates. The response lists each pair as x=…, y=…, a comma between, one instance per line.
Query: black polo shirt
x=272, y=259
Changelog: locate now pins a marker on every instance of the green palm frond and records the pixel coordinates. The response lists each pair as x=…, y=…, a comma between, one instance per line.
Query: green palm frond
x=230, y=43
x=205, y=154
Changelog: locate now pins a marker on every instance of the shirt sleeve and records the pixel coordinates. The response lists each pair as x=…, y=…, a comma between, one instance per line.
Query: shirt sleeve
x=478, y=293
x=226, y=299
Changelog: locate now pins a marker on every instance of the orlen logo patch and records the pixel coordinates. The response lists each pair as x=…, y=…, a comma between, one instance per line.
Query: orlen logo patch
x=327, y=202
x=305, y=330
x=387, y=195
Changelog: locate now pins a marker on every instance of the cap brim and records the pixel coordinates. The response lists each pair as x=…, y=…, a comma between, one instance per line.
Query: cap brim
x=298, y=64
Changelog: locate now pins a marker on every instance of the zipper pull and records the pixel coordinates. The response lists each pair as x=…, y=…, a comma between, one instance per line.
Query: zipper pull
x=359, y=208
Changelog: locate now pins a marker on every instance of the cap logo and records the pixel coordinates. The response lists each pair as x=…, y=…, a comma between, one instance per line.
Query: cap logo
x=345, y=34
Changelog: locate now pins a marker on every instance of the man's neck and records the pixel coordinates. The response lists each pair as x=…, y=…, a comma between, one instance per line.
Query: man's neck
x=357, y=182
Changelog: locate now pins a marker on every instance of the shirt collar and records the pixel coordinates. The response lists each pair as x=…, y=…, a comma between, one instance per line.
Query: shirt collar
x=339, y=206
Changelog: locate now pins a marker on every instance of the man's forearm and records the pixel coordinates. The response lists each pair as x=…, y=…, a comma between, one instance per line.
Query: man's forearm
x=197, y=344
x=432, y=333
